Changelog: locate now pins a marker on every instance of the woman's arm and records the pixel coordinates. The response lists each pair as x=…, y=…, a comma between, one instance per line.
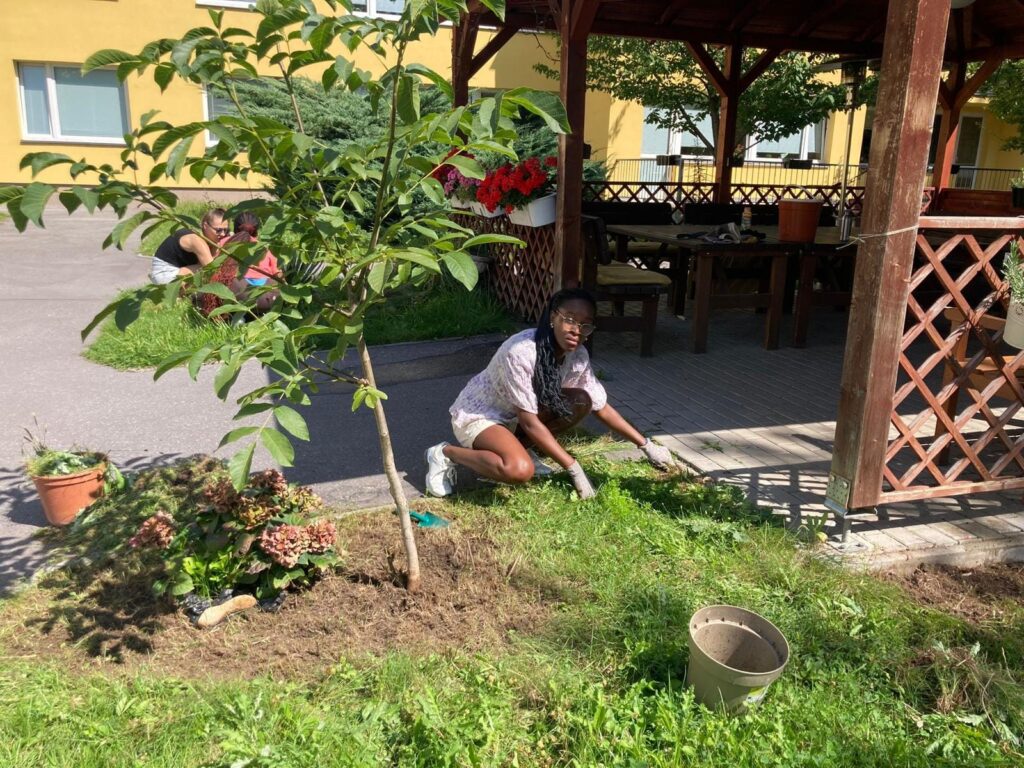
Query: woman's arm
x=541, y=437
x=196, y=245
x=616, y=423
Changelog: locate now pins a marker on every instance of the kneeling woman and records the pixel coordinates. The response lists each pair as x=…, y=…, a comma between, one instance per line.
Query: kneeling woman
x=537, y=385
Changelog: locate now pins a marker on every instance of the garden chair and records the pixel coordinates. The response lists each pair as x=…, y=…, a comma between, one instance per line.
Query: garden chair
x=613, y=281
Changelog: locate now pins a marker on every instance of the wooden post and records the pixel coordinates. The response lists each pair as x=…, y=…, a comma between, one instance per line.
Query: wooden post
x=574, y=22
x=954, y=94
x=463, y=43
x=725, y=141
x=949, y=127
x=915, y=35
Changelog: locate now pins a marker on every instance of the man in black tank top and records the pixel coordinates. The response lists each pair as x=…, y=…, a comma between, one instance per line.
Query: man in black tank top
x=183, y=252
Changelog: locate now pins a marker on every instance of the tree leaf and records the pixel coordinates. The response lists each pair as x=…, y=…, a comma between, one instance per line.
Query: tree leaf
x=239, y=466
x=419, y=258
x=108, y=57
x=408, y=99
x=33, y=201
x=99, y=317
x=292, y=421
x=197, y=359
x=467, y=166
x=172, y=361
x=280, y=447
x=462, y=268
x=547, y=106
x=219, y=290
x=378, y=276
x=39, y=161
x=225, y=378
x=487, y=239
x=236, y=434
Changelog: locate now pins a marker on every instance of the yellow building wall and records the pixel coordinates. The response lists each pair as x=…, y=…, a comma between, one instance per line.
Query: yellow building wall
x=74, y=29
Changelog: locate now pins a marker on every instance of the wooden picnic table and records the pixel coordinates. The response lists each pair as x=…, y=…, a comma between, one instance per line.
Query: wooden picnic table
x=685, y=244
x=685, y=240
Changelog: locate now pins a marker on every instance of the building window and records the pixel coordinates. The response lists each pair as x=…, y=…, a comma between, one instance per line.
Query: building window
x=807, y=144
x=379, y=7
x=661, y=141
x=216, y=104
x=59, y=103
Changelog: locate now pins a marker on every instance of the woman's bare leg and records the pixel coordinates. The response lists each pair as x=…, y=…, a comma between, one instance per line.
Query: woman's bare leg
x=496, y=454
x=581, y=405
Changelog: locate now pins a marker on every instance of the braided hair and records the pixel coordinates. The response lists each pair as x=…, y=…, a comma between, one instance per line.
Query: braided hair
x=547, y=384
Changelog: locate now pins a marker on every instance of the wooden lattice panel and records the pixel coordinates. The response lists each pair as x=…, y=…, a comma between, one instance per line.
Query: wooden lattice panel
x=690, y=192
x=522, y=278
x=956, y=420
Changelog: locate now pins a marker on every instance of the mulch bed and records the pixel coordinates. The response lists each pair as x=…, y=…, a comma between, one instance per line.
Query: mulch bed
x=473, y=597
x=976, y=595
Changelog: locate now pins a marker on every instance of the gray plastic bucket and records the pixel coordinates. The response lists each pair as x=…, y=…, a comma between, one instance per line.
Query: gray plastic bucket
x=734, y=656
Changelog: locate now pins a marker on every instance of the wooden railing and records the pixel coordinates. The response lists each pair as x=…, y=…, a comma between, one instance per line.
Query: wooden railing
x=955, y=426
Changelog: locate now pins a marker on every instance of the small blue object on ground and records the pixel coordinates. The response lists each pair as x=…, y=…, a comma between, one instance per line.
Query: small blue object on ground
x=427, y=520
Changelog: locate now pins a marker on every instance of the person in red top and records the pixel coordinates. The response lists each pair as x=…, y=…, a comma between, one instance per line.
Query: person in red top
x=266, y=270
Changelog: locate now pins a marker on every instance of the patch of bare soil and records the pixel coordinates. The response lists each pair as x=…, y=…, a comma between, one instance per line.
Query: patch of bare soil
x=977, y=595
x=473, y=597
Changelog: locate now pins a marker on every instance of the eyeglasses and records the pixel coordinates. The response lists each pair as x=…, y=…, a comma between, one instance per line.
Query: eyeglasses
x=221, y=230
x=585, y=329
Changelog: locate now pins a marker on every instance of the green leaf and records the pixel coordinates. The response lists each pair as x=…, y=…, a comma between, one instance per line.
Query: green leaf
x=127, y=310
x=99, y=318
x=419, y=258
x=292, y=421
x=219, y=290
x=462, y=268
x=236, y=434
x=279, y=446
x=252, y=409
x=433, y=76
x=197, y=359
x=225, y=378
x=170, y=362
x=90, y=198
x=108, y=57
x=546, y=106
x=467, y=166
x=33, y=201
x=408, y=99
x=487, y=239
x=182, y=585
x=119, y=234
x=239, y=466
x=42, y=160
x=378, y=276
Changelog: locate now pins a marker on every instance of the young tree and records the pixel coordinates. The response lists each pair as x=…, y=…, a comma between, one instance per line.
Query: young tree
x=664, y=76
x=338, y=214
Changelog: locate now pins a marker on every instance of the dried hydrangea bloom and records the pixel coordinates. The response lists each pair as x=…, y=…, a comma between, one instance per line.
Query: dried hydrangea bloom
x=269, y=480
x=221, y=495
x=156, y=531
x=322, y=536
x=284, y=544
x=254, y=512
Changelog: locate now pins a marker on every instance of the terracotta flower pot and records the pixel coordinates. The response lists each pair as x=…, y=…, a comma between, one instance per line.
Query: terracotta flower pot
x=64, y=496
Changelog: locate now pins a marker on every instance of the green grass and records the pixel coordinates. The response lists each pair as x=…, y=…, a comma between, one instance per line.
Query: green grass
x=194, y=208
x=874, y=679
x=157, y=333
x=442, y=311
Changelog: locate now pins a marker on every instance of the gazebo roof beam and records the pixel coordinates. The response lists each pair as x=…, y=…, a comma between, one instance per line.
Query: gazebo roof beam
x=747, y=12
x=674, y=9
x=815, y=20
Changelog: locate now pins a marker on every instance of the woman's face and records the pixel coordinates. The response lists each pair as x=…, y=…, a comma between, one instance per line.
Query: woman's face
x=572, y=323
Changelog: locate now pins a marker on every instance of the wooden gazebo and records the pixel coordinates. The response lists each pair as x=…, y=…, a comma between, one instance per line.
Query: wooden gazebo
x=915, y=272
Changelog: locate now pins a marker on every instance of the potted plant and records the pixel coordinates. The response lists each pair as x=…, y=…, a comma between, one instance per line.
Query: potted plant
x=459, y=189
x=526, y=191
x=1017, y=190
x=1013, y=272
x=67, y=481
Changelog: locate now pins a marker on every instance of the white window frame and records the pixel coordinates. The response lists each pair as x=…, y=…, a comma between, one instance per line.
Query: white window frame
x=243, y=5
x=55, y=136
x=371, y=10
x=806, y=135
x=210, y=139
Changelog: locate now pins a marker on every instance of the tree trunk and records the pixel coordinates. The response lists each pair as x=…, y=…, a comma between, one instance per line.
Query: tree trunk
x=394, y=481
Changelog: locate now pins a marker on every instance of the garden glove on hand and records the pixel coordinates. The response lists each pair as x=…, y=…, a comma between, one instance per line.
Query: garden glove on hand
x=658, y=455
x=581, y=481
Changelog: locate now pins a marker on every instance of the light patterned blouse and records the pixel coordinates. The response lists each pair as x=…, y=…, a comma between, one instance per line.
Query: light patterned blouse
x=505, y=386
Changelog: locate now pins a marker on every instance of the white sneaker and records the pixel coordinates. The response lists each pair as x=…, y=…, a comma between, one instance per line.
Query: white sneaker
x=540, y=469
x=440, y=471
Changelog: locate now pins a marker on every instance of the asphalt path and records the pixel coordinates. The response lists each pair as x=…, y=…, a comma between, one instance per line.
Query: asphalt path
x=54, y=280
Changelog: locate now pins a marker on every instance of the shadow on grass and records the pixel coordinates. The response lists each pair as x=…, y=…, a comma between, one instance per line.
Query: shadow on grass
x=101, y=599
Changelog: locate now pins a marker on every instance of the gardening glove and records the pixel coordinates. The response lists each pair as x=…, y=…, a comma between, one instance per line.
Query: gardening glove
x=658, y=455
x=581, y=481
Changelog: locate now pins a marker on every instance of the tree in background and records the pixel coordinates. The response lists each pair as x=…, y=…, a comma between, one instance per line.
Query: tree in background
x=664, y=76
x=1005, y=89
x=338, y=213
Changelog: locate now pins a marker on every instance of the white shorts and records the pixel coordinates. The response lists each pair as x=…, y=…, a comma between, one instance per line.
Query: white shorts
x=162, y=272
x=468, y=434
